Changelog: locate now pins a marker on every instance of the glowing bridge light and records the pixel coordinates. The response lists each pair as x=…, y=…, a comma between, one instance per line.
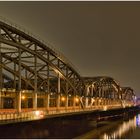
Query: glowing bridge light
x=93, y=100
x=23, y=91
x=23, y=97
x=76, y=100
x=39, y=114
x=105, y=108
x=99, y=100
x=63, y=99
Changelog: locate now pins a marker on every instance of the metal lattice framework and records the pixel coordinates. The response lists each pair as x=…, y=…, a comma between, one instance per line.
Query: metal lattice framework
x=107, y=87
x=26, y=63
x=128, y=94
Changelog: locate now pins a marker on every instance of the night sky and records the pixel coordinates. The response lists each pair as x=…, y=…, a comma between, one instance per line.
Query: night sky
x=99, y=38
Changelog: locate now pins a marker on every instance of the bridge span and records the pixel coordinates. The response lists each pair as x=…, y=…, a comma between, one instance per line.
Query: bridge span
x=36, y=81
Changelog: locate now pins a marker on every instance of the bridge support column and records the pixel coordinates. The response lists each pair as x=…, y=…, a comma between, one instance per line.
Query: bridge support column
x=95, y=102
x=86, y=98
x=35, y=81
x=67, y=99
x=15, y=102
x=105, y=101
x=92, y=90
x=19, y=102
x=47, y=101
x=58, y=91
x=99, y=102
x=74, y=97
x=92, y=102
x=86, y=102
x=19, y=82
x=1, y=78
x=108, y=102
x=2, y=103
x=58, y=101
x=35, y=101
x=0, y=100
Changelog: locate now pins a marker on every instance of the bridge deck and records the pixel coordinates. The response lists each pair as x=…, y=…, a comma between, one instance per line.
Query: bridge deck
x=12, y=116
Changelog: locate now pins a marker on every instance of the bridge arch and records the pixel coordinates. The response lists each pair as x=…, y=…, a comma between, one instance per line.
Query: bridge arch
x=28, y=64
x=103, y=86
x=128, y=95
x=34, y=58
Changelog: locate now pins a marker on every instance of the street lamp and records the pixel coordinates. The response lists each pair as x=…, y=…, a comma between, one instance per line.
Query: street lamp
x=76, y=100
x=23, y=97
x=99, y=100
x=63, y=99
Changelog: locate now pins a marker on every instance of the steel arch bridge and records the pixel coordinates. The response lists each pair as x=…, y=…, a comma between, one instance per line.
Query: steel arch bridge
x=32, y=75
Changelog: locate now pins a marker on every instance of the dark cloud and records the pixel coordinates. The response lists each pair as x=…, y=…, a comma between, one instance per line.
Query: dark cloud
x=99, y=38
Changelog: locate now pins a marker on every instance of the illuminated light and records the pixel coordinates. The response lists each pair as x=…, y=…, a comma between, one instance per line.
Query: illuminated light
x=37, y=113
x=23, y=91
x=99, y=100
x=138, y=120
x=123, y=106
x=62, y=98
x=93, y=100
x=76, y=100
x=121, y=130
x=22, y=97
x=69, y=95
x=105, y=108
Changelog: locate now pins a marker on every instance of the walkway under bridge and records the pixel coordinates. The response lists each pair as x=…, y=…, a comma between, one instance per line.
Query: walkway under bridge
x=36, y=80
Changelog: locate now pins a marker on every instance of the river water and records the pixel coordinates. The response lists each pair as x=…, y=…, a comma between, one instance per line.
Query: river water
x=125, y=127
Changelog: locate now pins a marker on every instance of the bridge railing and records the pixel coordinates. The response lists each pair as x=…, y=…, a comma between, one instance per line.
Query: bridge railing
x=30, y=114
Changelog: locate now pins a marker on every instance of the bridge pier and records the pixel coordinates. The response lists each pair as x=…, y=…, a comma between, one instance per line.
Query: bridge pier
x=47, y=101
x=35, y=101
x=58, y=101
x=1, y=103
x=86, y=102
x=106, y=101
x=19, y=102
x=67, y=99
x=74, y=97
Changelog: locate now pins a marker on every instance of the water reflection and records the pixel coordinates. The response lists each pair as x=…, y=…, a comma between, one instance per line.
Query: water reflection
x=123, y=129
x=138, y=120
x=75, y=128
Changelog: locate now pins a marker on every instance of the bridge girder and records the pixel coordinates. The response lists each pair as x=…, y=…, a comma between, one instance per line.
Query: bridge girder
x=36, y=59
x=104, y=86
x=33, y=65
x=128, y=93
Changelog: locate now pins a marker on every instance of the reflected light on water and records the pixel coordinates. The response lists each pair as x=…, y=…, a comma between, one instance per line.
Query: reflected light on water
x=123, y=128
x=138, y=120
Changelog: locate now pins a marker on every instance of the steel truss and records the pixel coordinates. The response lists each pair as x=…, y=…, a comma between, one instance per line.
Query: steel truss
x=28, y=64
x=33, y=65
x=107, y=87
